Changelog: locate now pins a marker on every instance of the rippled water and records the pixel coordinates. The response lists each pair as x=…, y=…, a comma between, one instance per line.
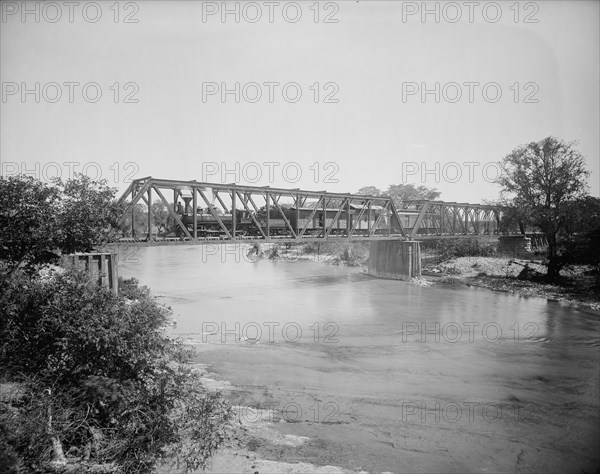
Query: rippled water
x=384, y=375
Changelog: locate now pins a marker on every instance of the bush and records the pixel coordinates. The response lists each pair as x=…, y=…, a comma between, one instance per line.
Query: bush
x=98, y=379
x=454, y=248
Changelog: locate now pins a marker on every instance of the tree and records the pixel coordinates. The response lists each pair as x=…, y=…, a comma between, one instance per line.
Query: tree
x=28, y=209
x=95, y=378
x=542, y=179
x=161, y=217
x=369, y=191
x=38, y=221
x=582, y=233
x=139, y=214
x=402, y=192
x=407, y=192
x=88, y=213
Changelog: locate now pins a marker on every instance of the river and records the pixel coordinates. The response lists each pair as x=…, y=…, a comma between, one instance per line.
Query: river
x=384, y=375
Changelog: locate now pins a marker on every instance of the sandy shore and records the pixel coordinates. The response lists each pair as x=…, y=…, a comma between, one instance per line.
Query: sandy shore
x=254, y=428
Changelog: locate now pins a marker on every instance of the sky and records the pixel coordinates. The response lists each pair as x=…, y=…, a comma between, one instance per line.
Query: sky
x=313, y=95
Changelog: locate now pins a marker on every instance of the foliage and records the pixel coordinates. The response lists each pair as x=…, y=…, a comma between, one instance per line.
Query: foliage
x=27, y=226
x=446, y=249
x=87, y=213
x=353, y=254
x=163, y=223
x=542, y=180
x=139, y=215
x=161, y=217
x=369, y=191
x=402, y=192
x=581, y=241
x=39, y=220
x=98, y=378
x=407, y=192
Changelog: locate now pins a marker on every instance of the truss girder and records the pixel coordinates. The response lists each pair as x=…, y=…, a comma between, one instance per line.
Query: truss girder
x=383, y=216
x=450, y=218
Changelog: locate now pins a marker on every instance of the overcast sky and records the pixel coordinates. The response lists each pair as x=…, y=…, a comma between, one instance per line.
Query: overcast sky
x=506, y=74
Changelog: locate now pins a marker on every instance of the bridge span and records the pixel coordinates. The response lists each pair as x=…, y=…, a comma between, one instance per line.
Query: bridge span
x=202, y=213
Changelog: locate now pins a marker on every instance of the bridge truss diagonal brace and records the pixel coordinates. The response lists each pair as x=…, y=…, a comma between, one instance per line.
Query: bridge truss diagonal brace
x=335, y=218
x=275, y=198
x=172, y=212
x=244, y=201
x=139, y=194
x=379, y=219
x=421, y=216
x=356, y=223
x=311, y=216
x=396, y=217
x=211, y=210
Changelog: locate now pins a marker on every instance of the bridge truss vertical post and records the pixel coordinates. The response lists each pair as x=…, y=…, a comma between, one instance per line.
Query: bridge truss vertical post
x=268, y=208
x=132, y=214
x=299, y=203
x=149, y=213
x=195, y=212
x=233, y=215
x=348, y=218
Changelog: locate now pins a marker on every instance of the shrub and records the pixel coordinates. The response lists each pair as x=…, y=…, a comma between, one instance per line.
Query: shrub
x=454, y=248
x=98, y=378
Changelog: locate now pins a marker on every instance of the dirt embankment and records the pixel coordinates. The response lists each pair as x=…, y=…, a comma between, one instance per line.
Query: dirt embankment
x=577, y=284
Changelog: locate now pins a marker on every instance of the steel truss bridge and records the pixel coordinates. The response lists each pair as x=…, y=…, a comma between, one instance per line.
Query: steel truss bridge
x=290, y=215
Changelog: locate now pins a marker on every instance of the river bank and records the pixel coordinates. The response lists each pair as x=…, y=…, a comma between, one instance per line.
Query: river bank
x=502, y=274
x=263, y=437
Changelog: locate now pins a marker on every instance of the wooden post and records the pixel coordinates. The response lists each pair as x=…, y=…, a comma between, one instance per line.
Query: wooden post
x=114, y=276
x=104, y=280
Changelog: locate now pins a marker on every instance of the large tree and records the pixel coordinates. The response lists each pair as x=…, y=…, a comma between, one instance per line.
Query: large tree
x=409, y=192
x=38, y=221
x=582, y=233
x=28, y=209
x=401, y=193
x=369, y=191
x=88, y=213
x=542, y=179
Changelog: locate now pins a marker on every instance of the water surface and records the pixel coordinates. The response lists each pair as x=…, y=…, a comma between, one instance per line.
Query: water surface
x=386, y=376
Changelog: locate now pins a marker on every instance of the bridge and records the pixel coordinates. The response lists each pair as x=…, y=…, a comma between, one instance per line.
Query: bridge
x=210, y=212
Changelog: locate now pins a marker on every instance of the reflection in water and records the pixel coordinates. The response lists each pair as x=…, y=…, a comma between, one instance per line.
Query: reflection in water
x=430, y=379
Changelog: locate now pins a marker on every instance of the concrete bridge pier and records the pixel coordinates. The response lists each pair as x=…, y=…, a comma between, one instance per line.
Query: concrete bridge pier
x=395, y=259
